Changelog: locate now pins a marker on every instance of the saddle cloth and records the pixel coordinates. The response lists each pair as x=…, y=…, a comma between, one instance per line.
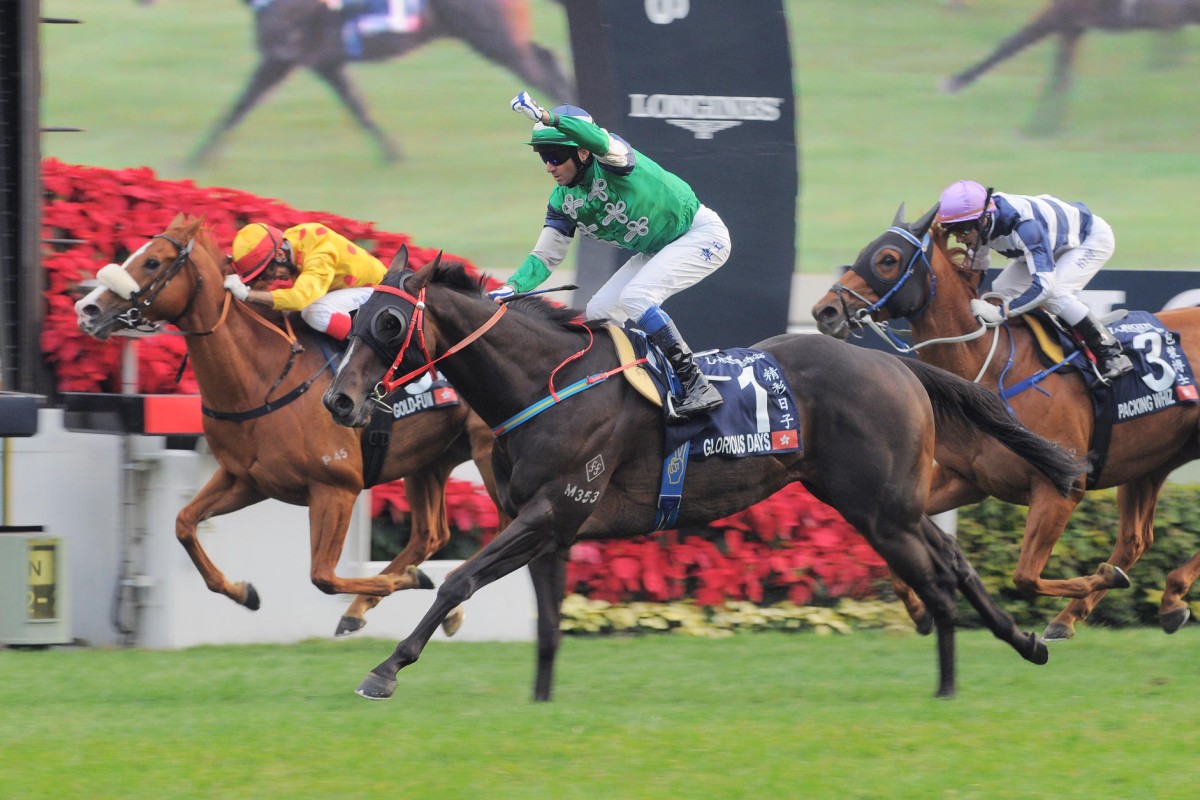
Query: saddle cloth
x=1161, y=378
x=759, y=415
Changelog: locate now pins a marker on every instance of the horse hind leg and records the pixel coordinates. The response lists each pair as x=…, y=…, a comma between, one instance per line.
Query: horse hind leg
x=268, y=74
x=426, y=493
x=913, y=562
x=1136, y=502
x=1049, y=115
x=500, y=32
x=334, y=75
x=1173, y=613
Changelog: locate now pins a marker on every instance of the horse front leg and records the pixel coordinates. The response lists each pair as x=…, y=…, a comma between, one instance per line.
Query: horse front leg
x=1048, y=515
x=1033, y=32
x=529, y=536
x=335, y=76
x=222, y=494
x=1136, y=502
x=426, y=493
x=549, y=574
x=266, y=76
x=329, y=510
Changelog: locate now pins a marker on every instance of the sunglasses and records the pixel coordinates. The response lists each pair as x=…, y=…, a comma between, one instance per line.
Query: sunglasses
x=556, y=159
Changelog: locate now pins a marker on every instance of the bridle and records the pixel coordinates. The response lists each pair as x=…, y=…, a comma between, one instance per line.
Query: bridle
x=902, y=297
x=144, y=296
x=415, y=322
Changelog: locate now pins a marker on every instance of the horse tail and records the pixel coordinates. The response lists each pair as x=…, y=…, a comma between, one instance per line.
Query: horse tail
x=959, y=400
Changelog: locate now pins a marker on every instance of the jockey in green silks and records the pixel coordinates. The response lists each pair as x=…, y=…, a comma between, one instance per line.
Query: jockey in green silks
x=608, y=191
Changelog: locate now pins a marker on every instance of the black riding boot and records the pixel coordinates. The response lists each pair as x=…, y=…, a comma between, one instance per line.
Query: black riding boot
x=699, y=396
x=1111, y=362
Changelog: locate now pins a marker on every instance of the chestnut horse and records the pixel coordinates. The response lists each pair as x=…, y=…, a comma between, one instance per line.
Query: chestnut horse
x=1069, y=20
x=593, y=468
x=903, y=266
x=308, y=33
x=260, y=385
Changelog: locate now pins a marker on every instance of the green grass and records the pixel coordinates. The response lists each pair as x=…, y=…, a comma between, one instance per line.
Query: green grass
x=754, y=716
x=146, y=82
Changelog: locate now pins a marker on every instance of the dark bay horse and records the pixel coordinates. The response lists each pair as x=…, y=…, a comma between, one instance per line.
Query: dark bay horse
x=274, y=440
x=307, y=33
x=1141, y=454
x=592, y=468
x=1069, y=20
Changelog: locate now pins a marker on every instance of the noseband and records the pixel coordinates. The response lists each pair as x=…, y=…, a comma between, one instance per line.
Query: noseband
x=144, y=297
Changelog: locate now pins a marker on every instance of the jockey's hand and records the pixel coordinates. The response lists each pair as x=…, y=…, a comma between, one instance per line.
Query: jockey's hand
x=524, y=104
x=985, y=311
x=502, y=293
x=235, y=286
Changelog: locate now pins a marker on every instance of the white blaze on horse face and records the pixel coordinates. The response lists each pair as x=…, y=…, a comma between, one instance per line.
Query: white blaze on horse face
x=117, y=278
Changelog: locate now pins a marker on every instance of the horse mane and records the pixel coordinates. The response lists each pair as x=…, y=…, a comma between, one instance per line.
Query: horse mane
x=454, y=275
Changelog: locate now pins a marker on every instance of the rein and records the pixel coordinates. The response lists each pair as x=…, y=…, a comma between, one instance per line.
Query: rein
x=388, y=384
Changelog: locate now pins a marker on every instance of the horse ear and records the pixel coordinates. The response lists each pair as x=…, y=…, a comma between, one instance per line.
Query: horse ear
x=426, y=272
x=180, y=219
x=898, y=220
x=400, y=260
x=921, y=226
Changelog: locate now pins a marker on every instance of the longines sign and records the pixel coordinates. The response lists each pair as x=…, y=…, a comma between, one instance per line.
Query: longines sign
x=705, y=115
x=724, y=121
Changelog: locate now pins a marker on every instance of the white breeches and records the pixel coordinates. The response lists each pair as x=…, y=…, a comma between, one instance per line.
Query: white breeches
x=339, y=301
x=648, y=280
x=1072, y=271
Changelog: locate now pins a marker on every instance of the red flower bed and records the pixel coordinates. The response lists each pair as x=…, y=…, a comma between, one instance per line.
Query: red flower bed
x=789, y=546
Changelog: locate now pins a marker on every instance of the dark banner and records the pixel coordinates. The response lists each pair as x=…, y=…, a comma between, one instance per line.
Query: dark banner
x=704, y=87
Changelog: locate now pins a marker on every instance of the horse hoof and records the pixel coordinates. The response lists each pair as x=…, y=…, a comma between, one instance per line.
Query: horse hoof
x=1039, y=654
x=423, y=580
x=252, y=600
x=1174, y=620
x=453, y=621
x=951, y=85
x=348, y=625
x=374, y=687
x=1119, y=579
x=1057, y=632
x=925, y=624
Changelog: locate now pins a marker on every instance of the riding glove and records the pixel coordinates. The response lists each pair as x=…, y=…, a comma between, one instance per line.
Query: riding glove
x=524, y=104
x=502, y=293
x=985, y=311
x=235, y=286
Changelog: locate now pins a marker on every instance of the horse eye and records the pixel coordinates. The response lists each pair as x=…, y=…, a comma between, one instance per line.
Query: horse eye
x=389, y=327
x=151, y=264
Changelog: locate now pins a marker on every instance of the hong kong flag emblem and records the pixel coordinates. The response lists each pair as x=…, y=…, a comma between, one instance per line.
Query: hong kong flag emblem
x=1187, y=393
x=445, y=395
x=785, y=440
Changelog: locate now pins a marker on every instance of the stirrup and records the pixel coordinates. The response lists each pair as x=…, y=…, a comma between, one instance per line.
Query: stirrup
x=701, y=405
